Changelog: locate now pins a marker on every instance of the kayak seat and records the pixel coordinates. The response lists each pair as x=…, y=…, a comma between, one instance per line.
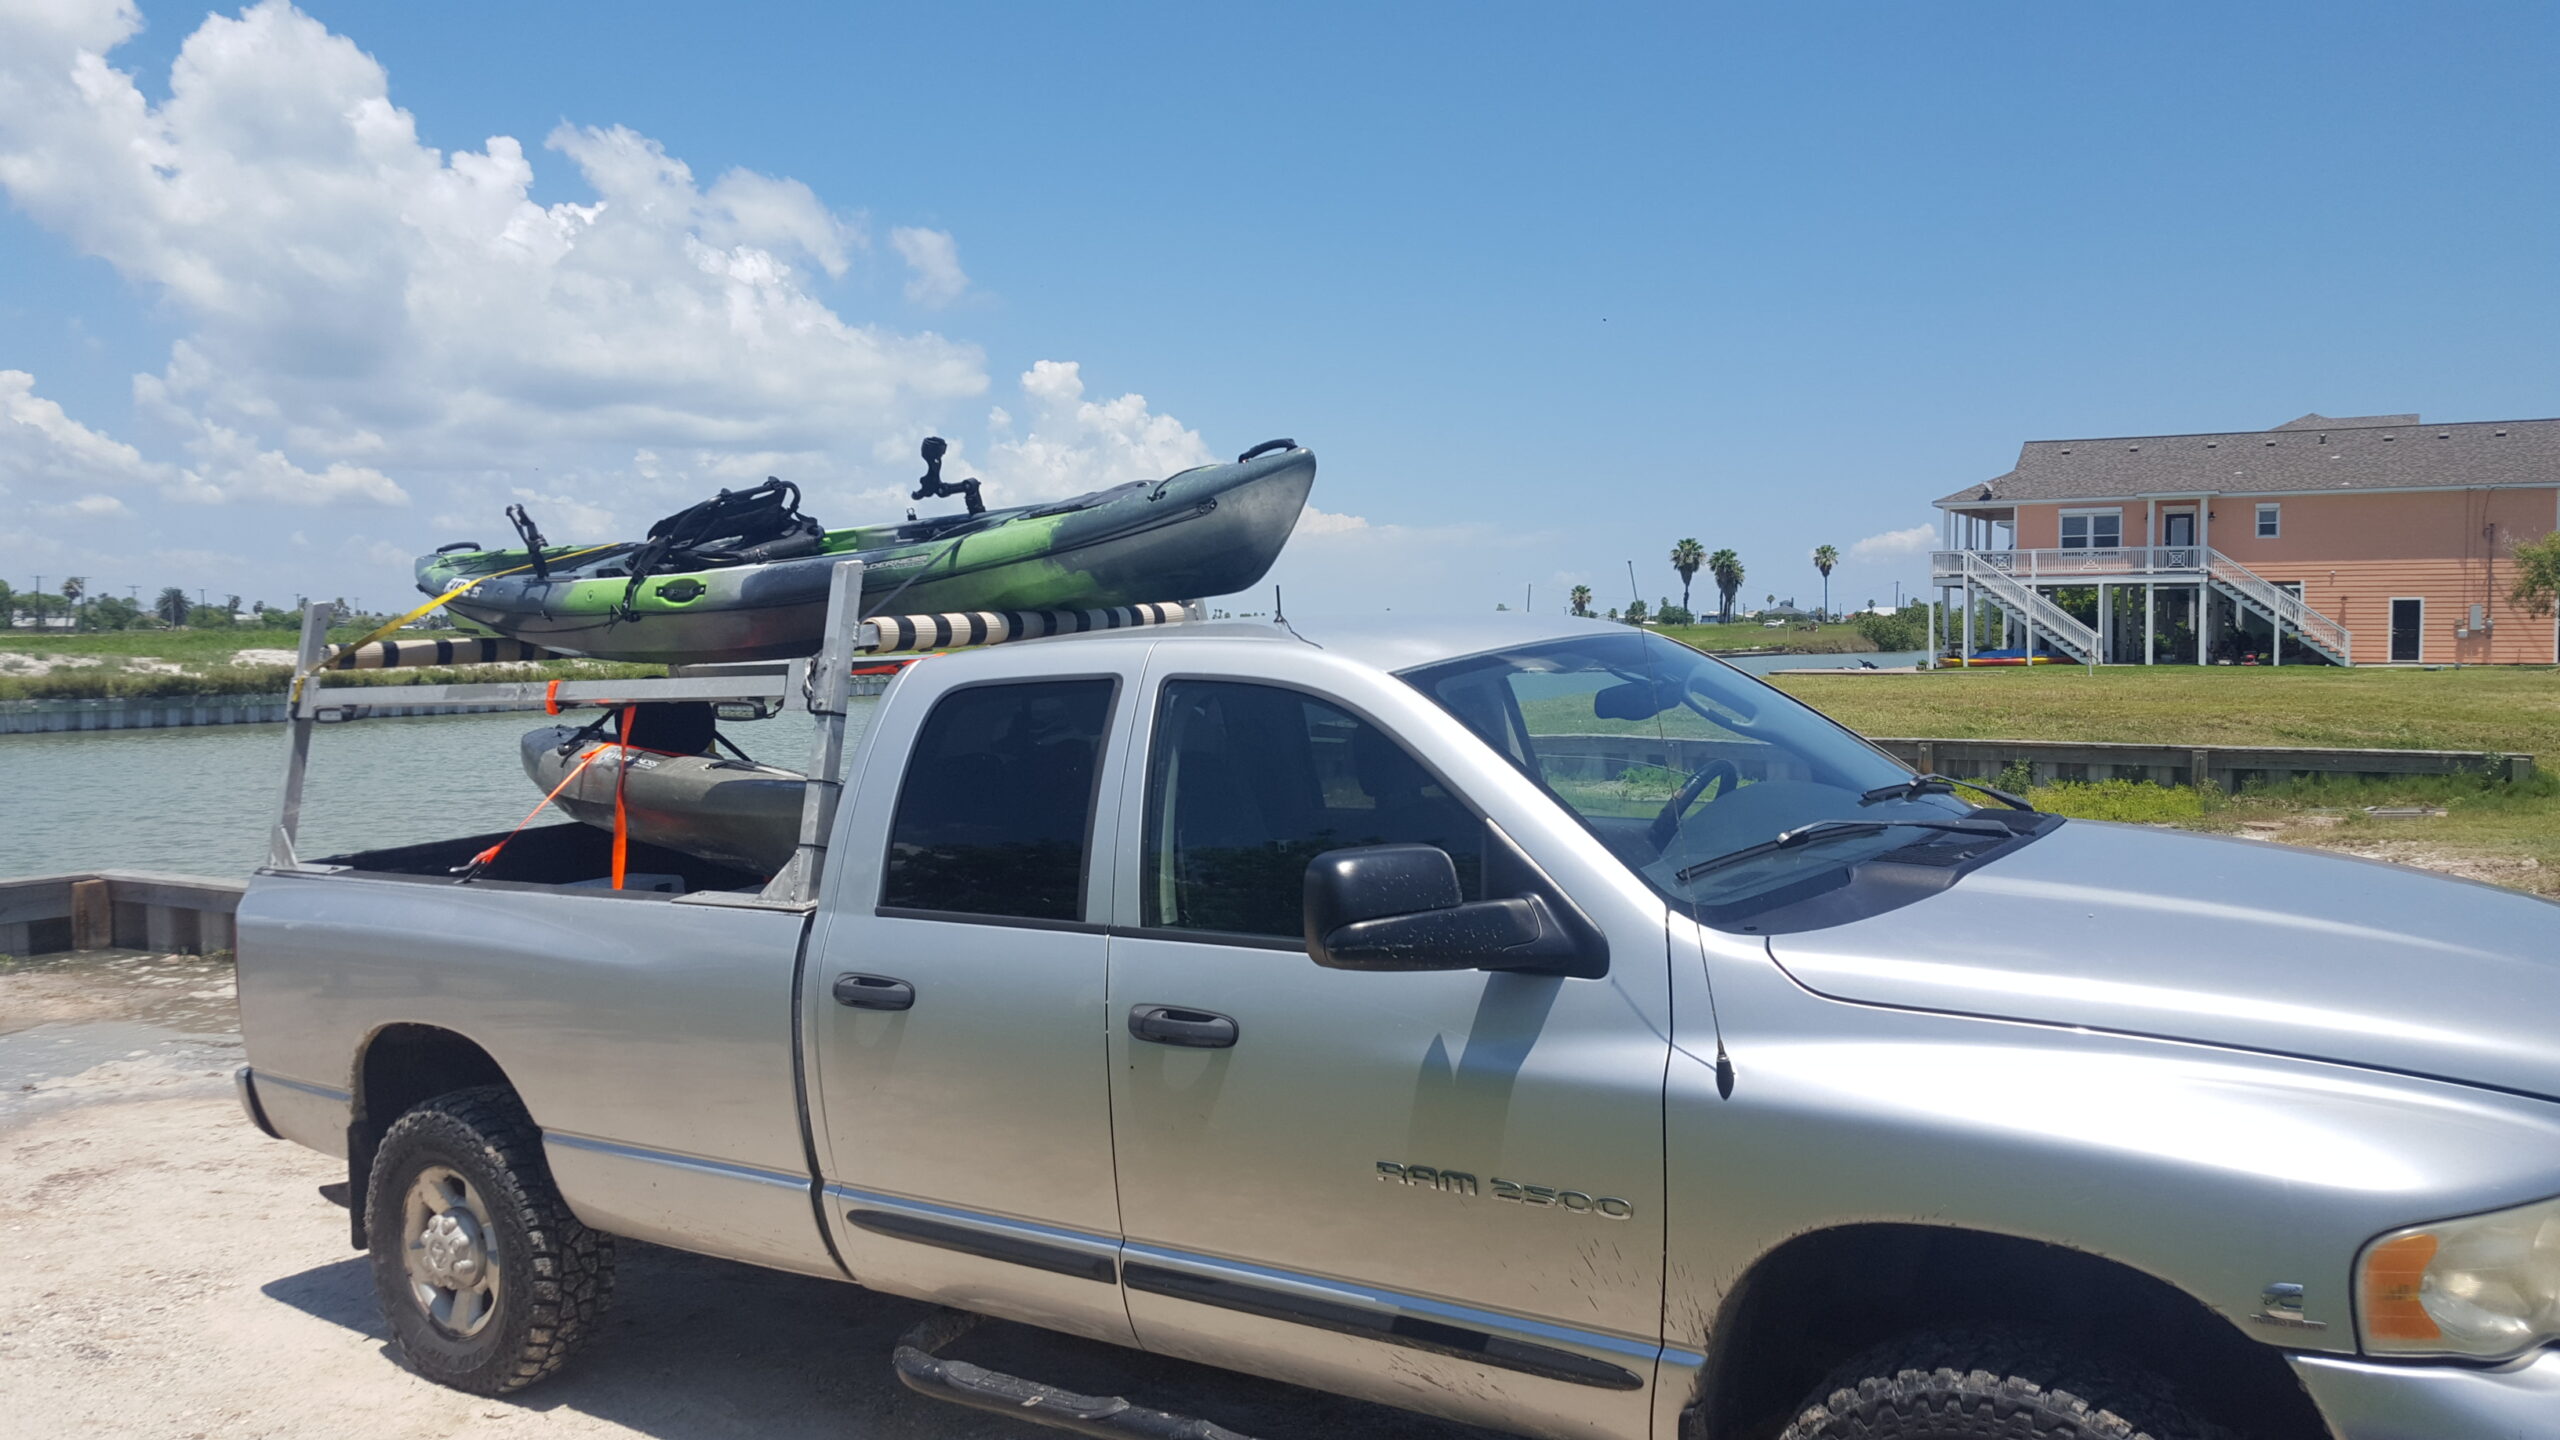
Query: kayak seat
x=673, y=727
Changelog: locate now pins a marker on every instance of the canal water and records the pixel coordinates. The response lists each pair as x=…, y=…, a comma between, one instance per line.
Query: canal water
x=201, y=801
x=1771, y=664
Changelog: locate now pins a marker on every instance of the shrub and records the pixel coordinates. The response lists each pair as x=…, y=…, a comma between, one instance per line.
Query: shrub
x=2136, y=801
x=1905, y=629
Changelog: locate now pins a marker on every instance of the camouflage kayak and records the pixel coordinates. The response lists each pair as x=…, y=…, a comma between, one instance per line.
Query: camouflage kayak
x=1209, y=531
x=733, y=811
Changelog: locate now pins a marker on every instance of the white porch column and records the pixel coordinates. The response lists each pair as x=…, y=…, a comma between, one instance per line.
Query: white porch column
x=2203, y=614
x=2150, y=619
x=1968, y=619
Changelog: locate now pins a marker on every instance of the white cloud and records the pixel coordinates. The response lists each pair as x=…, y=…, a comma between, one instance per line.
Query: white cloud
x=1914, y=541
x=364, y=319
x=43, y=451
x=1074, y=444
x=1348, y=564
x=934, y=259
x=1318, y=524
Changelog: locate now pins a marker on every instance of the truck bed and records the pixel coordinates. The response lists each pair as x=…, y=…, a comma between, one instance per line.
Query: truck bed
x=569, y=853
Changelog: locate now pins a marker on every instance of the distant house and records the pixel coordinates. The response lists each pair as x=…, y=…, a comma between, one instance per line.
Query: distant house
x=2365, y=540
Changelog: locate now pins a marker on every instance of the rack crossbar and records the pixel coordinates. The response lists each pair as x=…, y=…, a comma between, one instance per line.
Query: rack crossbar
x=316, y=698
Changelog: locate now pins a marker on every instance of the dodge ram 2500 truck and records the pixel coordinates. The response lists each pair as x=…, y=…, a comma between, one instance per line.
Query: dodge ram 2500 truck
x=1522, y=1020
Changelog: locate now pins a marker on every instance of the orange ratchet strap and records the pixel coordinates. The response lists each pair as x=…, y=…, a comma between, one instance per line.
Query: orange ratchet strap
x=486, y=857
x=621, y=820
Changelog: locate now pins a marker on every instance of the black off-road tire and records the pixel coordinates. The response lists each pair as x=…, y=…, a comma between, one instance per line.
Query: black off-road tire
x=558, y=1273
x=1993, y=1385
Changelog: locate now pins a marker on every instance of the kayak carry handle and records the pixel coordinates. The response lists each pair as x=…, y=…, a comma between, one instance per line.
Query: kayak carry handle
x=1265, y=448
x=460, y=545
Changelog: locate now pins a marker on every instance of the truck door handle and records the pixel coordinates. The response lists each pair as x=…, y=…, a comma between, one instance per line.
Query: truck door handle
x=874, y=992
x=1175, y=1025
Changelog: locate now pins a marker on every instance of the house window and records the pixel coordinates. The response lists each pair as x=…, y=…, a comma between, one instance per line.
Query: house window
x=2270, y=521
x=2092, y=529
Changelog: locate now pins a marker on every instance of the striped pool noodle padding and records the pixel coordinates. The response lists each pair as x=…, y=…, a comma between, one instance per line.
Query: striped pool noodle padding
x=994, y=627
x=403, y=654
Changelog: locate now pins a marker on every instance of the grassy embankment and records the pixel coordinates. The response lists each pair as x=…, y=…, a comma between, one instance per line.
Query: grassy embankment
x=1751, y=635
x=146, y=663
x=2509, y=834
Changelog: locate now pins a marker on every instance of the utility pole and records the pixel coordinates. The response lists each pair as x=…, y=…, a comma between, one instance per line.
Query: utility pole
x=1529, y=601
x=1632, y=592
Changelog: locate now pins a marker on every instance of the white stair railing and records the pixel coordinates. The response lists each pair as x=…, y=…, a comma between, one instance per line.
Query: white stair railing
x=2041, y=615
x=2281, y=606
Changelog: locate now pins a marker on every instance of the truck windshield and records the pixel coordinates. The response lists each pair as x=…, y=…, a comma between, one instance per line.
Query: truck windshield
x=1690, y=771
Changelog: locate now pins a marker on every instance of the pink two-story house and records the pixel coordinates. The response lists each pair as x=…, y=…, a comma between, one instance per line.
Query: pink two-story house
x=2368, y=540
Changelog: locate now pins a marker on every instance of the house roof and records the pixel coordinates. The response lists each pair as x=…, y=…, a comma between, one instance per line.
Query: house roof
x=2312, y=454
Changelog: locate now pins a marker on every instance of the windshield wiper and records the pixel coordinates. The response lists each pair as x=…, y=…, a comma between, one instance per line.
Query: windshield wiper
x=1822, y=829
x=1919, y=785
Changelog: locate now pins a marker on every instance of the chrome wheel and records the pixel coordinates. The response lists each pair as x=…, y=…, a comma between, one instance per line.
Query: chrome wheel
x=452, y=1265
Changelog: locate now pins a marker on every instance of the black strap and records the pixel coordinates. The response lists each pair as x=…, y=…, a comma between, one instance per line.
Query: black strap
x=531, y=534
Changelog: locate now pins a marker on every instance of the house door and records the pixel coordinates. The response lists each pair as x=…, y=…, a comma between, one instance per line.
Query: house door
x=2408, y=624
x=2178, y=527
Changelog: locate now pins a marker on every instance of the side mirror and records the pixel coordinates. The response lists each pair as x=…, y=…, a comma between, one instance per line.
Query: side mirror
x=1398, y=907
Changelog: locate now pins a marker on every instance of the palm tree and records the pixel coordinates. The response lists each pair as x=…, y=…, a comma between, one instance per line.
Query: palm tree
x=1824, y=557
x=1726, y=567
x=72, y=590
x=1686, y=557
x=171, y=606
x=1582, y=601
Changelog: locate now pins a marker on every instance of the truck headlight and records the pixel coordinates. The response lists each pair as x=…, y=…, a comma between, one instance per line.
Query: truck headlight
x=2486, y=1286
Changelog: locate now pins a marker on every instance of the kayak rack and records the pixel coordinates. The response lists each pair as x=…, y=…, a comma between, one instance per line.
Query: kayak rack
x=821, y=684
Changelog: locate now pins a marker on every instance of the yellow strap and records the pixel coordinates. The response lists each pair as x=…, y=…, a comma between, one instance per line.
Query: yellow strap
x=385, y=632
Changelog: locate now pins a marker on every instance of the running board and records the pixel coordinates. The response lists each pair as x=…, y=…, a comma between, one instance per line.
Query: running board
x=961, y=1383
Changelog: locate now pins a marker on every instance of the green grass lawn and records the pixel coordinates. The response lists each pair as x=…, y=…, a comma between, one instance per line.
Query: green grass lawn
x=2505, y=708
x=2509, y=834
x=185, y=647
x=135, y=663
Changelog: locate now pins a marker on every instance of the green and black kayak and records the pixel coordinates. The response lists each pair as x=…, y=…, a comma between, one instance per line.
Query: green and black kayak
x=745, y=577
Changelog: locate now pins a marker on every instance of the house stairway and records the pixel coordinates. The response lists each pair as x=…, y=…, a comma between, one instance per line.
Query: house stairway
x=2043, y=619
x=2279, y=607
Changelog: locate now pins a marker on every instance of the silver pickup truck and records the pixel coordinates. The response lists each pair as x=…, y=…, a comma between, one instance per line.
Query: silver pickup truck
x=1521, y=1020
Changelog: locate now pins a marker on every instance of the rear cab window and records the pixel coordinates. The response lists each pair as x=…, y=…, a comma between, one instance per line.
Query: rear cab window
x=995, y=812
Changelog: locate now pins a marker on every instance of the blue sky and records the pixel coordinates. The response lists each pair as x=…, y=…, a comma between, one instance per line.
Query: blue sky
x=1546, y=289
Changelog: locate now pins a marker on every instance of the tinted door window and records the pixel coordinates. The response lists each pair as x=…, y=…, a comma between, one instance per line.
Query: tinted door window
x=1249, y=782
x=996, y=810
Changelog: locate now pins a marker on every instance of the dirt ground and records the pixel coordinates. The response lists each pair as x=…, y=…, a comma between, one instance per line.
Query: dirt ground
x=168, y=1273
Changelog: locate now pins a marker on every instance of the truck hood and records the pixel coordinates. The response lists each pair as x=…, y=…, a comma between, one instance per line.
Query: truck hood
x=2225, y=942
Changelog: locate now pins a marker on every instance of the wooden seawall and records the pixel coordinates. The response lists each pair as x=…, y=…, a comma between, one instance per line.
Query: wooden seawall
x=128, y=909
x=164, y=712
x=2228, y=767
